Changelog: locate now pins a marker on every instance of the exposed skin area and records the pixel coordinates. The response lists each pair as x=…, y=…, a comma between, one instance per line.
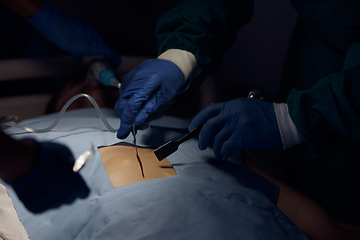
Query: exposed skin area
x=121, y=164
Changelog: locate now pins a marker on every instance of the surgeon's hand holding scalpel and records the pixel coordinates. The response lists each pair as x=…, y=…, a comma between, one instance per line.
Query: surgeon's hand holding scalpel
x=150, y=87
x=245, y=124
x=41, y=173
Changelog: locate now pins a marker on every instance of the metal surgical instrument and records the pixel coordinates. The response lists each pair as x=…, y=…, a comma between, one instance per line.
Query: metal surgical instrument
x=83, y=158
x=136, y=151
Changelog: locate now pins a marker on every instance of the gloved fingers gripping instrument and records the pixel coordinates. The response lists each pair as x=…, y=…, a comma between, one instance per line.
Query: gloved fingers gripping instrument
x=144, y=90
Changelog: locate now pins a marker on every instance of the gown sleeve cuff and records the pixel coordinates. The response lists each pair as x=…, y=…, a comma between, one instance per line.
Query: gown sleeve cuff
x=183, y=59
x=288, y=131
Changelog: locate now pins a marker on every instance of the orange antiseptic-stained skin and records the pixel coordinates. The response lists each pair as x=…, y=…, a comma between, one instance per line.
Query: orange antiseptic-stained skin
x=122, y=166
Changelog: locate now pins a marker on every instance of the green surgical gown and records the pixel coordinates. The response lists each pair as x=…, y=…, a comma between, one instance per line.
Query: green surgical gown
x=321, y=88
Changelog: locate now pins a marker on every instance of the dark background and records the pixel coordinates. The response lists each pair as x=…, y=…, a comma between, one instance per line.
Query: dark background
x=255, y=60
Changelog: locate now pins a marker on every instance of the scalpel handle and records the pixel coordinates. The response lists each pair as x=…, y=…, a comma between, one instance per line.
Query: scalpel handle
x=190, y=135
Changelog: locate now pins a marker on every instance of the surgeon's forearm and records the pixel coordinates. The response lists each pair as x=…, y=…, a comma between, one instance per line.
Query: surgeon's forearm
x=205, y=28
x=25, y=8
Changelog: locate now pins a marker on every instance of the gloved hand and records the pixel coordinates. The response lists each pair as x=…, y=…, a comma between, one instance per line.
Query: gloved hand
x=144, y=90
x=72, y=35
x=52, y=182
x=241, y=123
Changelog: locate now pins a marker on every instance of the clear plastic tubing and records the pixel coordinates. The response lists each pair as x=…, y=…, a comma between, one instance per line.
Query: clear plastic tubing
x=61, y=113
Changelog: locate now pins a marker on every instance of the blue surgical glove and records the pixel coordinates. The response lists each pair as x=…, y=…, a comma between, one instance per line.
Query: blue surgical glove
x=239, y=124
x=71, y=35
x=146, y=90
x=52, y=182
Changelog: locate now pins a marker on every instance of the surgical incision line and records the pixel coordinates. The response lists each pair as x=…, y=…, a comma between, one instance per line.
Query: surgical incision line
x=136, y=151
